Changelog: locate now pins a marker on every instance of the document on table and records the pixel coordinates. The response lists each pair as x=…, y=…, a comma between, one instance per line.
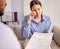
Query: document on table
x=40, y=41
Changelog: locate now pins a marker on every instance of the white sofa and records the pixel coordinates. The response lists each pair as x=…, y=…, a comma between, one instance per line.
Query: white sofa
x=55, y=41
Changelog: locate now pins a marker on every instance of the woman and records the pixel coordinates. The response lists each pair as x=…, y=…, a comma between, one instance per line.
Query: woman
x=35, y=21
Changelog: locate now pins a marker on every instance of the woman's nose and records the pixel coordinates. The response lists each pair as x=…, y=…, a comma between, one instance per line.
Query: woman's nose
x=37, y=12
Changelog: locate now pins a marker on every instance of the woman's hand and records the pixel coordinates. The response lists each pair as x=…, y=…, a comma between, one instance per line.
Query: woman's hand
x=31, y=16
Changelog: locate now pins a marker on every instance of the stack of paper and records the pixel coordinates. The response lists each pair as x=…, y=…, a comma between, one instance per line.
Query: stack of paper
x=40, y=41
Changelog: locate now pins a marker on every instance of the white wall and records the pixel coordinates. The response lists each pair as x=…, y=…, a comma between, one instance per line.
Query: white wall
x=50, y=7
x=7, y=15
x=8, y=7
x=17, y=6
x=26, y=7
x=14, y=6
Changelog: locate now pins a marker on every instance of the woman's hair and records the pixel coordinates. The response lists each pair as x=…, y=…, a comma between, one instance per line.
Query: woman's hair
x=35, y=2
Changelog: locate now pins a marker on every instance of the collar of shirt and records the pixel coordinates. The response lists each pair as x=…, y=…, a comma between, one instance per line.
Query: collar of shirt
x=43, y=19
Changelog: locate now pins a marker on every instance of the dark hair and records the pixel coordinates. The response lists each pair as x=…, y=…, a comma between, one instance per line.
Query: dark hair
x=35, y=2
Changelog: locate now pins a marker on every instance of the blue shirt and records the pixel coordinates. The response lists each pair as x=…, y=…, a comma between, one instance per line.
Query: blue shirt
x=41, y=27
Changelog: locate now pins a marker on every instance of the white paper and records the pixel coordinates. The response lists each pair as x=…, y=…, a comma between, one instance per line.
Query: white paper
x=40, y=41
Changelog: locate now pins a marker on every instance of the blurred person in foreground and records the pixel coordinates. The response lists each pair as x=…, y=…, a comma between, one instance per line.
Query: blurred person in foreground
x=8, y=39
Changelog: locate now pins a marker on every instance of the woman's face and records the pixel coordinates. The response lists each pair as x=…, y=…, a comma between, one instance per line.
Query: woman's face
x=37, y=9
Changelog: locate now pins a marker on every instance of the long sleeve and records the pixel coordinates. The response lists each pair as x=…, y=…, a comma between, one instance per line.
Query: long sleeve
x=25, y=28
x=48, y=25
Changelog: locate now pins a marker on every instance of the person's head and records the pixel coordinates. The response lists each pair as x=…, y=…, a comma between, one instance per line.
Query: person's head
x=36, y=6
x=2, y=6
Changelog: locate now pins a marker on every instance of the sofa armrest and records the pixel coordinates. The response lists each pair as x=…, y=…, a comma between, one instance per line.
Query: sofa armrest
x=17, y=31
x=56, y=31
x=12, y=27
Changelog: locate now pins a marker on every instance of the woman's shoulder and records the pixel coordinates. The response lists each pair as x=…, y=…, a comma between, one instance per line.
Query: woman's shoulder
x=46, y=17
x=26, y=16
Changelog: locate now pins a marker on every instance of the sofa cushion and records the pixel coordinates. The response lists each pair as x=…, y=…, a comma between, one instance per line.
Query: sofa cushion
x=22, y=43
x=12, y=27
x=56, y=31
x=17, y=30
x=54, y=45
